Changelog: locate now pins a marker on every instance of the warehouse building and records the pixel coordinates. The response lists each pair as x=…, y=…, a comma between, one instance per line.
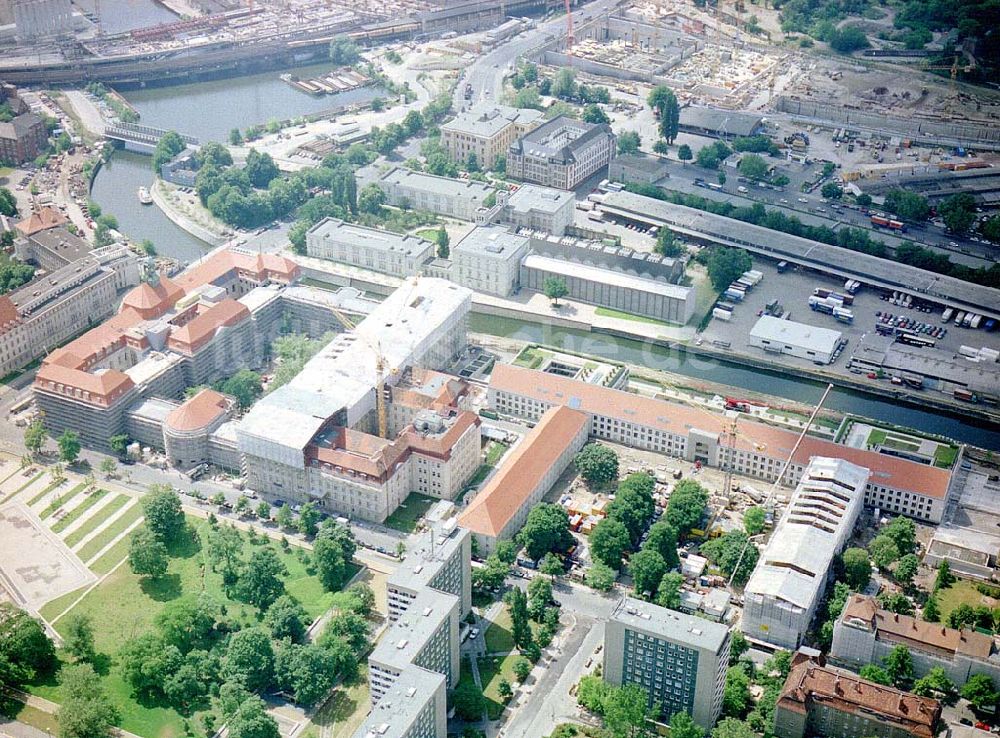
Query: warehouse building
x=488, y=260
x=866, y=634
x=638, y=168
x=790, y=578
x=679, y=659
x=561, y=153
x=369, y=248
x=540, y=209
x=617, y=290
x=487, y=131
x=457, y=198
x=898, y=486
x=719, y=123
x=801, y=340
x=822, y=701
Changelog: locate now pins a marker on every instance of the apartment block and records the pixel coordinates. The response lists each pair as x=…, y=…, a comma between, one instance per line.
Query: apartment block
x=788, y=583
x=896, y=485
x=488, y=260
x=369, y=248
x=822, y=701
x=865, y=634
x=680, y=660
x=440, y=562
x=487, y=131
x=561, y=153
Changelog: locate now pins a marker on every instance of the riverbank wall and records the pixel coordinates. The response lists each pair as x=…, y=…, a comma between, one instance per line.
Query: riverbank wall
x=181, y=221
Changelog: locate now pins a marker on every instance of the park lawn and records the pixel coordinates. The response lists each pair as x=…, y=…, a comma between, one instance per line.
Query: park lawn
x=107, y=535
x=124, y=606
x=945, y=456
x=61, y=500
x=407, y=515
x=95, y=521
x=77, y=512
x=876, y=437
x=111, y=558
x=491, y=671
x=499, y=638
x=429, y=234
x=962, y=591
x=494, y=452
x=30, y=716
x=620, y=315
x=55, y=607
x=346, y=709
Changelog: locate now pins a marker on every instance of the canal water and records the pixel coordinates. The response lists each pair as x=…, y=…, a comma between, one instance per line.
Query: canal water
x=209, y=110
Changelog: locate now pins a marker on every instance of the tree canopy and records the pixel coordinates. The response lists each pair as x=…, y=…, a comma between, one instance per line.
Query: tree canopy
x=597, y=464
x=545, y=530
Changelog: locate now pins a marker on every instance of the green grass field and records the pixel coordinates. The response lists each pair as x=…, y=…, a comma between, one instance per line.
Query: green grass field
x=610, y=313
x=494, y=452
x=945, y=456
x=346, y=709
x=35, y=500
x=95, y=521
x=491, y=672
x=961, y=592
x=77, y=512
x=124, y=606
x=61, y=500
x=405, y=519
x=429, y=234
x=105, y=537
x=498, y=636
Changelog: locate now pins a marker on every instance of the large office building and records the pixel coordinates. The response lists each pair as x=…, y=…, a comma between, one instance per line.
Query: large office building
x=313, y=438
x=679, y=659
x=488, y=260
x=487, y=131
x=369, y=248
x=540, y=208
x=898, y=486
x=456, y=198
x=788, y=583
x=561, y=153
x=865, y=634
x=502, y=506
x=822, y=701
x=49, y=310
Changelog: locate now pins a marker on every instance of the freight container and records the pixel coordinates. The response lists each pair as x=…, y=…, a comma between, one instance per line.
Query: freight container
x=843, y=315
x=967, y=319
x=734, y=295
x=821, y=305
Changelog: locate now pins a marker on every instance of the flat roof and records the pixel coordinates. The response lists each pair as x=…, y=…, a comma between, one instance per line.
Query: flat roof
x=727, y=122
x=401, y=705
x=813, y=254
x=446, y=186
x=408, y=635
x=807, y=336
x=609, y=277
x=492, y=242
x=487, y=120
x=529, y=197
x=331, y=229
x=427, y=555
x=677, y=627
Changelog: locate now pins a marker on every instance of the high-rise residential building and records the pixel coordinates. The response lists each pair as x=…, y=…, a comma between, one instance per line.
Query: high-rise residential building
x=791, y=575
x=486, y=131
x=439, y=560
x=561, y=153
x=680, y=660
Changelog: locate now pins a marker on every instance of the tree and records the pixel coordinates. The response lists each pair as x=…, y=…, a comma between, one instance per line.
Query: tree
x=753, y=520
x=78, y=637
x=251, y=720
x=332, y=552
x=35, y=437
x=958, y=212
x=732, y=728
x=736, y=700
x=249, y=659
x=309, y=518
x=899, y=666
x=69, y=446
x=189, y=623
x=119, y=443
x=936, y=684
x=491, y=575
x=738, y=645
x=903, y=533
x=260, y=169
x=667, y=244
x=551, y=565
x=944, y=576
x=682, y=725
x=245, y=385
x=286, y=618
x=371, y=199
x=601, y=577
x=522, y=669
x=883, y=551
x=546, y=529
x=108, y=467
x=895, y=602
x=875, y=673
x=831, y=191
x=962, y=616
x=753, y=166
x=857, y=569
x=235, y=137
x=661, y=147
x=349, y=628
x=517, y=603
x=597, y=464
x=223, y=549
x=684, y=153
x=162, y=509
x=626, y=710
x=264, y=510
x=260, y=581
x=504, y=691
x=669, y=595
x=169, y=146
x=864, y=200
x=734, y=554
x=308, y=672
x=907, y=205
x=906, y=569
x=725, y=265
x=990, y=228
x=413, y=122
x=344, y=51
x=147, y=555
x=594, y=114
x=85, y=710
x=608, y=541
x=591, y=693
x=931, y=613
x=8, y=203
x=283, y=517
x=564, y=85
x=662, y=538
x=555, y=288
x=539, y=597
x=468, y=701
x=979, y=690
x=662, y=99
x=647, y=569
x=628, y=142
x=686, y=506
x=848, y=39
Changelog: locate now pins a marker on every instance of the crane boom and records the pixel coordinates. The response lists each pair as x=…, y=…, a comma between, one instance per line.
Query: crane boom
x=570, y=39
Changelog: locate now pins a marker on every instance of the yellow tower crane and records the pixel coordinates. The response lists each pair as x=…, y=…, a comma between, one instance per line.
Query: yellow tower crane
x=381, y=407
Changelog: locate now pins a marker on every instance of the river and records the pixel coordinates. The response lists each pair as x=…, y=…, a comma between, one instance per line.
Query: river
x=209, y=110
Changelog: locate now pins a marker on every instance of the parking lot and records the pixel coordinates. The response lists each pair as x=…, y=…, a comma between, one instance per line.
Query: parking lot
x=793, y=288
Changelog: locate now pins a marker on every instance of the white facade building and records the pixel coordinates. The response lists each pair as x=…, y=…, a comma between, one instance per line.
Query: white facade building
x=486, y=131
x=540, y=209
x=458, y=198
x=488, y=260
x=800, y=340
x=561, y=153
x=369, y=248
x=790, y=578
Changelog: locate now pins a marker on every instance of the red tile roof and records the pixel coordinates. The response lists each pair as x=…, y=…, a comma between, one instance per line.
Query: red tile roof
x=221, y=263
x=511, y=487
x=196, y=332
x=41, y=220
x=152, y=302
x=810, y=685
x=198, y=412
x=95, y=389
x=677, y=418
x=9, y=316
